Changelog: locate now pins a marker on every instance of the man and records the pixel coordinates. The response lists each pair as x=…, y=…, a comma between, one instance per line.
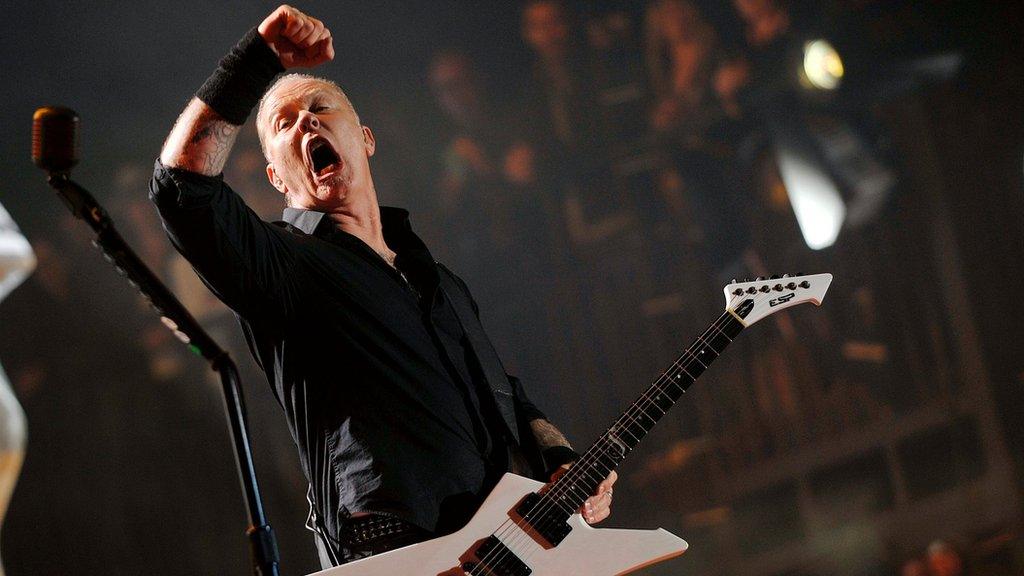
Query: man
x=402, y=414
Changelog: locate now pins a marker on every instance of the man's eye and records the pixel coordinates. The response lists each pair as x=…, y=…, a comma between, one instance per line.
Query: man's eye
x=282, y=124
x=316, y=108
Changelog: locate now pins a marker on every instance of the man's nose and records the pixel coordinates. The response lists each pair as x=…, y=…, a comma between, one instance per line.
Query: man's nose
x=308, y=121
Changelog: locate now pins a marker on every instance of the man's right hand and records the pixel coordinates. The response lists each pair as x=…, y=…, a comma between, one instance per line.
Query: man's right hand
x=300, y=41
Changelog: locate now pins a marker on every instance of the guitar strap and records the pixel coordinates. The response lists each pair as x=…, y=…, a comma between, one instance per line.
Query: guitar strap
x=490, y=364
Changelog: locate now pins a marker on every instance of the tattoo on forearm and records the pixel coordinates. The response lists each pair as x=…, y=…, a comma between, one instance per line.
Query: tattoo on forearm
x=547, y=435
x=200, y=140
x=212, y=142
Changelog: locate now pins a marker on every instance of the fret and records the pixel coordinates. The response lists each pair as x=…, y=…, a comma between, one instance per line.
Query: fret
x=718, y=340
x=694, y=368
x=635, y=432
x=705, y=353
x=579, y=494
x=645, y=420
x=649, y=402
x=567, y=508
x=679, y=381
x=604, y=464
x=662, y=400
x=682, y=369
x=643, y=417
x=673, y=383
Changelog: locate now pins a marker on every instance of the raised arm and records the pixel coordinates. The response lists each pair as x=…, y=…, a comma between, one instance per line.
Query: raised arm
x=239, y=256
x=205, y=132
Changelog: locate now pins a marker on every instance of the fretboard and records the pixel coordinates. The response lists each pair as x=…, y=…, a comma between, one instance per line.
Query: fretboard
x=573, y=488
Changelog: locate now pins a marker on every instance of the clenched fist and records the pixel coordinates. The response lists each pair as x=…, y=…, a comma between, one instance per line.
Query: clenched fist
x=297, y=39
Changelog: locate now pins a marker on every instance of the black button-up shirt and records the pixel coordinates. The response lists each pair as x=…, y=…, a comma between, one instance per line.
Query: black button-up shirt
x=384, y=397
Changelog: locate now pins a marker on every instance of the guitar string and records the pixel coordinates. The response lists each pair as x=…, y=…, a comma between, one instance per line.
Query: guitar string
x=658, y=383
x=601, y=448
x=758, y=299
x=604, y=445
x=687, y=356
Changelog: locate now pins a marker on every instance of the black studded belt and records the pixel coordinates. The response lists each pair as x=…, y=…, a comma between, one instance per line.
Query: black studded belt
x=377, y=533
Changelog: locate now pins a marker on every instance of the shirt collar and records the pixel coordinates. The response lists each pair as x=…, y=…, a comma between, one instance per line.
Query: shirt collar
x=308, y=221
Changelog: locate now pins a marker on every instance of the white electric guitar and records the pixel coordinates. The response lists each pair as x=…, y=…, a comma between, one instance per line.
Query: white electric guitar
x=528, y=528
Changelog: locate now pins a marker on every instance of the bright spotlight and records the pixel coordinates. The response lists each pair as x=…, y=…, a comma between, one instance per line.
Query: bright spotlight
x=823, y=68
x=817, y=203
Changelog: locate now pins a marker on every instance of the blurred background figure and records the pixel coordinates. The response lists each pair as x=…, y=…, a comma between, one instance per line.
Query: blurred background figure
x=944, y=560
x=680, y=50
x=16, y=263
x=914, y=567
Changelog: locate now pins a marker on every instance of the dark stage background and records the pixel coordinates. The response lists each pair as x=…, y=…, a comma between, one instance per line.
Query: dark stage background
x=596, y=200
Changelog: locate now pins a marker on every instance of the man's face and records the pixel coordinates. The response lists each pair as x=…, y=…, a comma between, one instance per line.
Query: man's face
x=318, y=153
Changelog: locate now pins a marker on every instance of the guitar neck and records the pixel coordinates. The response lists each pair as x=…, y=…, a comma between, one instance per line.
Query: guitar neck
x=574, y=487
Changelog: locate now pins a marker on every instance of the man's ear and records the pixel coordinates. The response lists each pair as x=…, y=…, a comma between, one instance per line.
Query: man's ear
x=275, y=180
x=368, y=141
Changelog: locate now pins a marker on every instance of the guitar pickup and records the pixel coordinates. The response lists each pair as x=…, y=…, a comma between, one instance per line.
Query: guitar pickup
x=495, y=559
x=545, y=518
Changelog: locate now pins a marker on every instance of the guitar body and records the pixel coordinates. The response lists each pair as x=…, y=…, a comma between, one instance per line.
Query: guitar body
x=586, y=551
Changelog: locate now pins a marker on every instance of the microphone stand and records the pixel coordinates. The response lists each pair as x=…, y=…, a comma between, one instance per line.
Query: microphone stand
x=173, y=314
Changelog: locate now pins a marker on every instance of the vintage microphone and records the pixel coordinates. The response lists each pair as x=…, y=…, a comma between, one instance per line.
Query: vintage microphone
x=55, y=150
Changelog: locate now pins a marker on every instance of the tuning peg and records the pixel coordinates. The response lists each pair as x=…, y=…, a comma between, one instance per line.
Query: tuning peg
x=751, y=290
x=774, y=277
x=791, y=286
x=785, y=275
x=733, y=281
x=777, y=287
x=738, y=292
x=759, y=279
x=805, y=284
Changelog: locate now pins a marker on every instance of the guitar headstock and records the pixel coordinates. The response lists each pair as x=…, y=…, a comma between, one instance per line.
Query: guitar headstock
x=750, y=301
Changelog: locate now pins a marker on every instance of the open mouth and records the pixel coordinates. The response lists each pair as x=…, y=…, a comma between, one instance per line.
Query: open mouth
x=322, y=158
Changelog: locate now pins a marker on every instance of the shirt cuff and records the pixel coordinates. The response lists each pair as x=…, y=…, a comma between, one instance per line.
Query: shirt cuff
x=555, y=456
x=179, y=188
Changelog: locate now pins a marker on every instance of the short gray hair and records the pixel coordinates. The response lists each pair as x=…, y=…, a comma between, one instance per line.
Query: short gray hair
x=260, y=111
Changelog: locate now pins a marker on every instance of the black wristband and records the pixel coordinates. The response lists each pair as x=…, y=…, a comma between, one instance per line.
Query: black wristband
x=241, y=78
x=555, y=456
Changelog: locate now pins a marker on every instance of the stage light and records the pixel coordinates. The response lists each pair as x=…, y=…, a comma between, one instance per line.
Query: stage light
x=822, y=66
x=817, y=203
